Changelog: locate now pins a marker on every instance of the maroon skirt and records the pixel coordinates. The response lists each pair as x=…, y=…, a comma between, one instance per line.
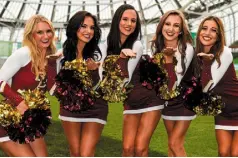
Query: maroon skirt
x=141, y=100
x=226, y=123
x=98, y=113
x=228, y=119
x=175, y=110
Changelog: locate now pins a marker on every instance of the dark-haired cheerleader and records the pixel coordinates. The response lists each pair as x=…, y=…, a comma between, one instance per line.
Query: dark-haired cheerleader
x=82, y=112
x=142, y=108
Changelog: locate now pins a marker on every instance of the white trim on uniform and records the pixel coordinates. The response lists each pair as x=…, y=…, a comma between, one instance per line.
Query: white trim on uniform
x=132, y=62
x=218, y=72
x=234, y=128
x=4, y=139
x=73, y=119
x=188, y=58
x=138, y=111
x=103, y=49
x=179, y=117
x=20, y=58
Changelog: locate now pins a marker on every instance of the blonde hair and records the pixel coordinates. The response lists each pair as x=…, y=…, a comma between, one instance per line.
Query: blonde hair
x=38, y=63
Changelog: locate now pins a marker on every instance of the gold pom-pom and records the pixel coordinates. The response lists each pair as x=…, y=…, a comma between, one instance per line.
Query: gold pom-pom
x=166, y=94
x=35, y=99
x=164, y=91
x=211, y=105
x=82, y=74
x=159, y=59
x=8, y=114
x=113, y=83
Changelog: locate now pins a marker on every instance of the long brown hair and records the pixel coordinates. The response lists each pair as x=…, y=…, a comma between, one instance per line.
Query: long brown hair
x=158, y=42
x=218, y=47
x=29, y=41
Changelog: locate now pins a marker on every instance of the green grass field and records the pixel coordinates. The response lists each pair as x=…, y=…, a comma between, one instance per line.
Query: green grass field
x=200, y=140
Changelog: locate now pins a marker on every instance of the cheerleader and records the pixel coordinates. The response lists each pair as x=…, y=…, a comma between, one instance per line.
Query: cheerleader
x=141, y=107
x=28, y=68
x=83, y=127
x=174, y=41
x=218, y=76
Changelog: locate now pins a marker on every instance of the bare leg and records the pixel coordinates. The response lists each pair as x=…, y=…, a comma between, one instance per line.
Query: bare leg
x=14, y=149
x=234, y=145
x=148, y=124
x=169, y=125
x=39, y=147
x=91, y=133
x=177, y=137
x=72, y=132
x=130, y=127
x=224, y=140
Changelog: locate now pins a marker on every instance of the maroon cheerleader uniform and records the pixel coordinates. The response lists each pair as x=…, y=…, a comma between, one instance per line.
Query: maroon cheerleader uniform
x=16, y=73
x=98, y=113
x=141, y=99
x=174, y=109
x=225, y=84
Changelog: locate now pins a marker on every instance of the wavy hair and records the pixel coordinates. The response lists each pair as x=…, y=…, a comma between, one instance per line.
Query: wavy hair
x=70, y=45
x=184, y=37
x=114, y=37
x=218, y=46
x=35, y=51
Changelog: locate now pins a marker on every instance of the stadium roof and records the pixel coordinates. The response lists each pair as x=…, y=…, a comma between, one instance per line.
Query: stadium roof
x=14, y=13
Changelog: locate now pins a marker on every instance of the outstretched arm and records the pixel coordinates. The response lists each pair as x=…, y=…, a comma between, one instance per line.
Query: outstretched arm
x=138, y=49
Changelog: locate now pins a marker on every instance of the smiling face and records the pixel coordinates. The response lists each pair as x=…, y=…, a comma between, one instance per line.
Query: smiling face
x=127, y=23
x=86, y=31
x=208, y=34
x=172, y=28
x=43, y=35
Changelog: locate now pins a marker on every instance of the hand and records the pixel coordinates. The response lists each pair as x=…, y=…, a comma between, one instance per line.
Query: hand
x=22, y=107
x=206, y=56
x=127, y=53
x=169, y=51
x=55, y=56
x=91, y=64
